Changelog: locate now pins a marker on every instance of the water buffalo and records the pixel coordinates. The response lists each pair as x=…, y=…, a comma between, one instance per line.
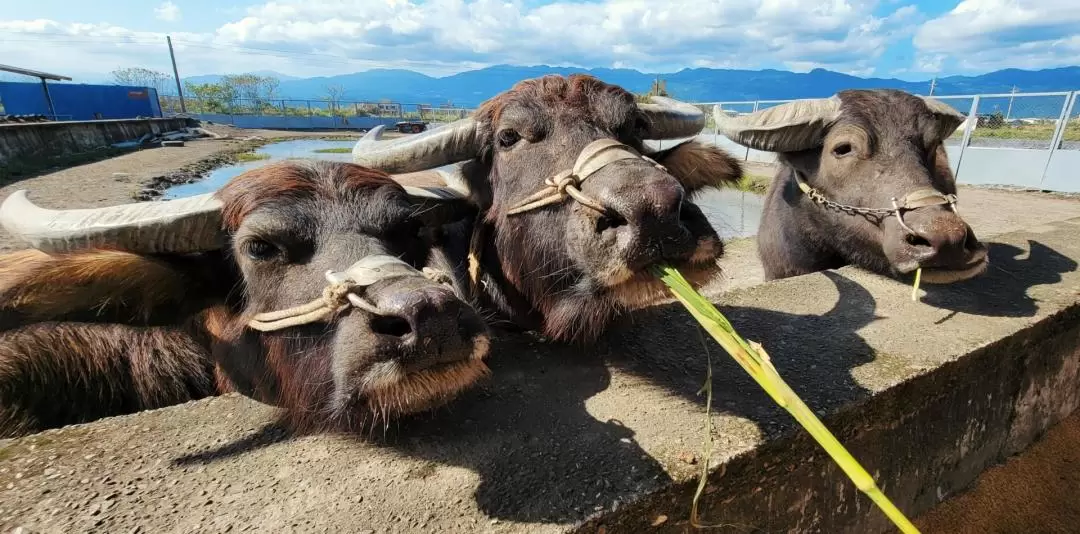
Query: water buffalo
x=864, y=179
x=297, y=284
x=571, y=211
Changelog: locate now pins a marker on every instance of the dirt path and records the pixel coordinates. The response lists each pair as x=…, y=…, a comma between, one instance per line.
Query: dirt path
x=1037, y=492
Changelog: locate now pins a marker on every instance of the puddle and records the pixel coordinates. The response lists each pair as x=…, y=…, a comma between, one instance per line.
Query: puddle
x=733, y=214
x=301, y=148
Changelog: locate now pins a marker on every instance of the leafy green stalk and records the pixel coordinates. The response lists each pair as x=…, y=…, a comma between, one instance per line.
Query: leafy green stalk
x=753, y=359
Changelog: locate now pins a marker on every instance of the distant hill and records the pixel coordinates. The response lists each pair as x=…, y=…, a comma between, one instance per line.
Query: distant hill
x=700, y=85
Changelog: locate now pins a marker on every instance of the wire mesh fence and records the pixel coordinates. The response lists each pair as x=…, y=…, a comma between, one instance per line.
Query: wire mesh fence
x=285, y=107
x=1010, y=120
x=1070, y=139
x=1017, y=120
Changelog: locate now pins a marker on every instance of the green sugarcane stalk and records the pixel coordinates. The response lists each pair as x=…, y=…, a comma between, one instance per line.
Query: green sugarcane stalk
x=755, y=361
x=915, y=289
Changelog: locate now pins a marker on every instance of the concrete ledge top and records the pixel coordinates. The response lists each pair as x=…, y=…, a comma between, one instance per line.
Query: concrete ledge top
x=560, y=438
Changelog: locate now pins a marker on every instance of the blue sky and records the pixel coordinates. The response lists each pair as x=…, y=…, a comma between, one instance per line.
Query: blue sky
x=908, y=39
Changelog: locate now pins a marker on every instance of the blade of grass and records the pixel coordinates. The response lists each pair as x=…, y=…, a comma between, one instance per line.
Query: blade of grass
x=755, y=361
x=915, y=288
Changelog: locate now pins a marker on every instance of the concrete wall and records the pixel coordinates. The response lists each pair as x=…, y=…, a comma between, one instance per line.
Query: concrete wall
x=51, y=139
x=926, y=395
x=1063, y=174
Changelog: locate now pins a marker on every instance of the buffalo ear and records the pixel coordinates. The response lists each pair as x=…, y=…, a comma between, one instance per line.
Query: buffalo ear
x=697, y=165
x=440, y=212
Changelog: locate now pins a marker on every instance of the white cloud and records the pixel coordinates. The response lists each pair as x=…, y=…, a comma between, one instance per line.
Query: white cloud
x=929, y=62
x=167, y=11
x=439, y=36
x=992, y=34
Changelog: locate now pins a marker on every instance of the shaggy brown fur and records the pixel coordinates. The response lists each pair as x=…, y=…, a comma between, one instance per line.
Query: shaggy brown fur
x=107, y=332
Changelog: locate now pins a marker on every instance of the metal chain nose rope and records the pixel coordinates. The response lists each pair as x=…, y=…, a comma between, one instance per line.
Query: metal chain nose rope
x=340, y=293
x=595, y=156
x=920, y=198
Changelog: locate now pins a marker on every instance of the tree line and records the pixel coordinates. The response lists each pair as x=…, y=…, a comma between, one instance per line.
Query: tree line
x=249, y=91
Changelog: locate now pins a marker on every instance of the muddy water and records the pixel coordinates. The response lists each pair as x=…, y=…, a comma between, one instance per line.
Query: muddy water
x=734, y=214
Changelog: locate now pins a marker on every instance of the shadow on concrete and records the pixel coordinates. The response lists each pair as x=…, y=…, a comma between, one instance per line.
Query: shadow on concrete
x=813, y=353
x=1002, y=291
x=539, y=454
x=542, y=457
x=268, y=435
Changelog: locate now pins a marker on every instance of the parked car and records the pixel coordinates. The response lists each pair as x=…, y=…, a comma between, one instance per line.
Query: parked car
x=411, y=126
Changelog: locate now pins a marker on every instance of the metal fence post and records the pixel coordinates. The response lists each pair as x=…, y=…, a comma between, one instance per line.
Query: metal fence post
x=715, y=126
x=1059, y=132
x=973, y=118
x=746, y=156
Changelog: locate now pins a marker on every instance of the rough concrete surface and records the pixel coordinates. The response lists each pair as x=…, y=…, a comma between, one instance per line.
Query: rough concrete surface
x=926, y=395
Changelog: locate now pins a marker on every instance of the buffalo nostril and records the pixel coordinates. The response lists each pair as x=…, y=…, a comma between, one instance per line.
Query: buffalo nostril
x=391, y=325
x=918, y=241
x=610, y=220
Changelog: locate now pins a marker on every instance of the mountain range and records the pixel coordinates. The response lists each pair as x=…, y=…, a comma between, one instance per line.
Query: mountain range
x=696, y=85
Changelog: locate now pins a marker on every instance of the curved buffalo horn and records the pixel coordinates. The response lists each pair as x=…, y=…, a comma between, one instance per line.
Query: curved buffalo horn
x=440, y=146
x=190, y=224
x=789, y=127
x=671, y=119
x=949, y=119
x=435, y=183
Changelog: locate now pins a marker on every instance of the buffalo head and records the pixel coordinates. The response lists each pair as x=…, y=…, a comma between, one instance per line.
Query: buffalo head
x=573, y=207
x=330, y=316
x=865, y=180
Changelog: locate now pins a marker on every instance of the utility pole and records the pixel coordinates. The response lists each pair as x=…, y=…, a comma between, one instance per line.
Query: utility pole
x=1008, y=114
x=176, y=75
x=933, y=82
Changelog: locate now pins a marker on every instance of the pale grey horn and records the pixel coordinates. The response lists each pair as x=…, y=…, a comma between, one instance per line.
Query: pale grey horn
x=441, y=184
x=670, y=119
x=948, y=118
x=440, y=146
x=184, y=225
x=790, y=127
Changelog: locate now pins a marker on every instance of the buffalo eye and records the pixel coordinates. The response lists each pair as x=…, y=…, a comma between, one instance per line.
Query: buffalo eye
x=841, y=150
x=260, y=250
x=508, y=138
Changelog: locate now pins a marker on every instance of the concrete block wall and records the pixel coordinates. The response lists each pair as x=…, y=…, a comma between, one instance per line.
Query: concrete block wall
x=52, y=139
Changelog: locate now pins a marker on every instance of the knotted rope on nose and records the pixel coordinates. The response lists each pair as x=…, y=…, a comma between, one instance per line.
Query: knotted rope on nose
x=340, y=293
x=593, y=157
x=334, y=299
